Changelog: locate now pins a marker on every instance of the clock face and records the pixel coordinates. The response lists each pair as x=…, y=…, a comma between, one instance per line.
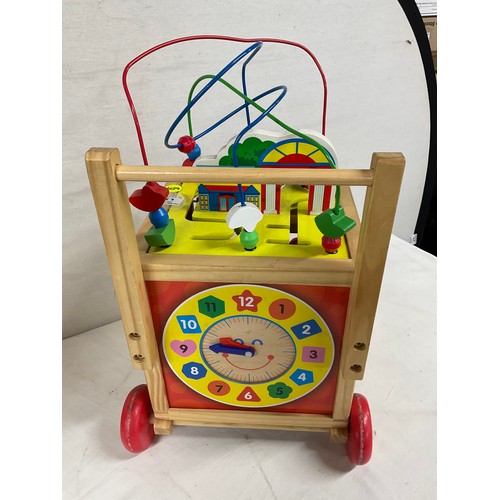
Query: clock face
x=248, y=345
x=267, y=350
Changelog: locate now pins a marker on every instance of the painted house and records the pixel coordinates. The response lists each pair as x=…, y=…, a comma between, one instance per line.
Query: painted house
x=263, y=149
x=221, y=198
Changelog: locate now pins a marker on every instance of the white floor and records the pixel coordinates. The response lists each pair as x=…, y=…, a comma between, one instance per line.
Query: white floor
x=220, y=464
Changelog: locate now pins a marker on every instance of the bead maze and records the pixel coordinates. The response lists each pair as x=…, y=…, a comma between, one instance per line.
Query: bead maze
x=249, y=293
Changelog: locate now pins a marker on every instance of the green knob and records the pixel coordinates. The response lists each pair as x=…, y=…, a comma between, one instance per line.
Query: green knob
x=334, y=225
x=249, y=240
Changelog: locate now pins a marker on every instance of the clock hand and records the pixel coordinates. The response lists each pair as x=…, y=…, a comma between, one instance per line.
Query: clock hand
x=229, y=346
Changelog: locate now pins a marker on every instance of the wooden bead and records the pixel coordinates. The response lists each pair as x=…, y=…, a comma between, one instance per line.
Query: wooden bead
x=249, y=240
x=187, y=144
x=159, y=218
x=331, y=245
x=195, y=153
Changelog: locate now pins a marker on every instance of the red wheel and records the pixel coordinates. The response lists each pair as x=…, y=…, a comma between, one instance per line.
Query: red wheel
x=136, y=430
x=360, y=436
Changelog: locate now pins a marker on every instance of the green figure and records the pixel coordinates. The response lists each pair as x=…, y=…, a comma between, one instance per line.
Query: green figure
x=249, y=240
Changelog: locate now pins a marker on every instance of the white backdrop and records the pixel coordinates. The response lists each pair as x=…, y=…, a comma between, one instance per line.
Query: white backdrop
x=377, y=100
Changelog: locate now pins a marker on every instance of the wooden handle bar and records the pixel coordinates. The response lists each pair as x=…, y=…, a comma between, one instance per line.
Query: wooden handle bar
x=303, y=176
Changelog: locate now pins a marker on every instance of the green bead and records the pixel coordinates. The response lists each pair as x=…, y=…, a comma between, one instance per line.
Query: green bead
x=249, y=240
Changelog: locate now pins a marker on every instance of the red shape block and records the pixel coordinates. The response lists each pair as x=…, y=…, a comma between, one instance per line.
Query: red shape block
x=150, y=197
x=248, y=394
x=136, y=430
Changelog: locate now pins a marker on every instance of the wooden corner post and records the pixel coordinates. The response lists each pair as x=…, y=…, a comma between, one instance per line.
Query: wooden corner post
x=376, y=227
x=117, y=227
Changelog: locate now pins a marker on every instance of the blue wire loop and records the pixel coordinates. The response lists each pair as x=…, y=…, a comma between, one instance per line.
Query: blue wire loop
x=244, y=82
x=250, y=52
x=251, y=125
x=237, y=110
x=253, y=48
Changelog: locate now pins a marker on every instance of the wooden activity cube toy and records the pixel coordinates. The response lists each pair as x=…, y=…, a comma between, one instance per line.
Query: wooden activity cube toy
x=246, y=300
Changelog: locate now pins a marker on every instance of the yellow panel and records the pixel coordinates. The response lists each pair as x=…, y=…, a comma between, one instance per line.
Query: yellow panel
x=208, y=233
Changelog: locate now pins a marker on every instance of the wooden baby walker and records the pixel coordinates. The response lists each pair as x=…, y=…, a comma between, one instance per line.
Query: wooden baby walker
x=248, y=296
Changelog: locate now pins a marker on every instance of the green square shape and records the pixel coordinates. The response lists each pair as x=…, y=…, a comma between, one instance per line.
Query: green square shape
x=334, y=225
x=161, y=236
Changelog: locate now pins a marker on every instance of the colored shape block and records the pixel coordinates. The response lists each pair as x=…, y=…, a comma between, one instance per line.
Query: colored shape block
x=211, y=306
x=161, y=236
x=194, y=370
x=313, y=354
x=302, y=377
x=149, y=198
x=282, y=309
x=189, y=324
x=248, y=394
x=306, y=329
x=219, y=388
x=334, y=225
x=246, y=216
x=184, y=349
x=247, y=301
x=279, y=390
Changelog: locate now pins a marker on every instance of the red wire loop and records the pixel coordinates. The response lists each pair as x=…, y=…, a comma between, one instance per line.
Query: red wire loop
x=213, y=37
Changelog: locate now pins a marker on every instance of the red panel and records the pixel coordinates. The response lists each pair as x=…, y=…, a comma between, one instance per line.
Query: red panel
x=330, y=302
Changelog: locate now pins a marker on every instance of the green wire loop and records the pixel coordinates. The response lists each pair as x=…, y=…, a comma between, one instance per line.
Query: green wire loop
x=274, y=119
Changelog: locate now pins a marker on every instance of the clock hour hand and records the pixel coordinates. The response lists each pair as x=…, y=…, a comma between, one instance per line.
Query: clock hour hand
x=229, y=346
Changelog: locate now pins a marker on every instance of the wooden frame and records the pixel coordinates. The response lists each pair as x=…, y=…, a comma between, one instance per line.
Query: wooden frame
x=131, y=265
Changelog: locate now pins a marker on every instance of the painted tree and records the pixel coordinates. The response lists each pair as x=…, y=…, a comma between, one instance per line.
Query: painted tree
x=247, y=153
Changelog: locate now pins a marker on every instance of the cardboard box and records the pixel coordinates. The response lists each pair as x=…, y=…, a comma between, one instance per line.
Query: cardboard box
x=427, y=7
x=428, y=11
x=431, y=28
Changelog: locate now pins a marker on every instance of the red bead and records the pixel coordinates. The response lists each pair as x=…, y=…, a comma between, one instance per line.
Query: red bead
x=187, y=144
x=331, y=245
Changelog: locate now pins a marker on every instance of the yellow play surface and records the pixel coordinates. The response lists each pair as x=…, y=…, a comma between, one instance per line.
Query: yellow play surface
x=200, y=232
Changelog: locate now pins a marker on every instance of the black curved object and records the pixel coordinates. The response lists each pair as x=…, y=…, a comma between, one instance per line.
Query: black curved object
x=426, y=226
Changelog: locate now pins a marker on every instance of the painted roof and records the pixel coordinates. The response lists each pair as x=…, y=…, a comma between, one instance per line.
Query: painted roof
x=212, y=188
